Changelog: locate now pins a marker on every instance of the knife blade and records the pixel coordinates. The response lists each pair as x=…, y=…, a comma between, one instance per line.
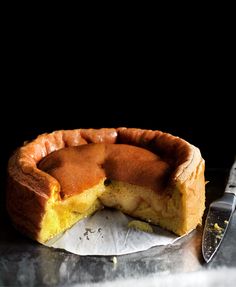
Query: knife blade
x=218, y=218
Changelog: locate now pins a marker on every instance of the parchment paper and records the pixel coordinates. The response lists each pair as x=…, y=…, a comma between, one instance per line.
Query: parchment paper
x=107, y=233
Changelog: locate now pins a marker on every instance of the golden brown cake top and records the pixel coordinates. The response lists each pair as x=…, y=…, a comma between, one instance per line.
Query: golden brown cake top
x=179, y=154
x=79, y=168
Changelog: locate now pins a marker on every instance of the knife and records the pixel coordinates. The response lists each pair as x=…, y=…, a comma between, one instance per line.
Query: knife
x=218, y=218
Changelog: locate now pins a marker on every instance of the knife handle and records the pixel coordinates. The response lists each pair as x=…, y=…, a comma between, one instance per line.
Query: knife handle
x=231, y=185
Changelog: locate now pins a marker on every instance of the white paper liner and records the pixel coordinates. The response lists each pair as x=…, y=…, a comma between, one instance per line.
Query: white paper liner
x=107, y=233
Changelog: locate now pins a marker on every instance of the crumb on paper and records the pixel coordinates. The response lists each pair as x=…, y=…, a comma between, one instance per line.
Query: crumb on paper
x=114, y=260
x=226, y=222
x=140, y=225
x=87, y=231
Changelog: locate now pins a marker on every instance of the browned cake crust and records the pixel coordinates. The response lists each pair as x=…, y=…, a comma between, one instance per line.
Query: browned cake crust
x=79, y=168
x=29, y=188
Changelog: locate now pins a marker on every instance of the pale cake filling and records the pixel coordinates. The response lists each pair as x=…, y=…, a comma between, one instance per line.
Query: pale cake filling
x=133, y=200
x=136, y=198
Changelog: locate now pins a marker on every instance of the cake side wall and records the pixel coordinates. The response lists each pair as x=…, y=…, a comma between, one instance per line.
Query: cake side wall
x=25, y=208
x=193, y=190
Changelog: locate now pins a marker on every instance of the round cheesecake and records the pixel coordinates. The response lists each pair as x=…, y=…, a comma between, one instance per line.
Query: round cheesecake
x=60, y=178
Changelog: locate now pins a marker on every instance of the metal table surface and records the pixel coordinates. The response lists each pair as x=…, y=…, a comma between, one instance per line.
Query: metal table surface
x=24, y=262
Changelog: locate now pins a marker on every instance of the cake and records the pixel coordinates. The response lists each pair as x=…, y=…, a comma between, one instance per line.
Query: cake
x=62, y=177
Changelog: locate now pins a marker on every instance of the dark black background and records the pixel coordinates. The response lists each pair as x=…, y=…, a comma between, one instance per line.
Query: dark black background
x=184, y=85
